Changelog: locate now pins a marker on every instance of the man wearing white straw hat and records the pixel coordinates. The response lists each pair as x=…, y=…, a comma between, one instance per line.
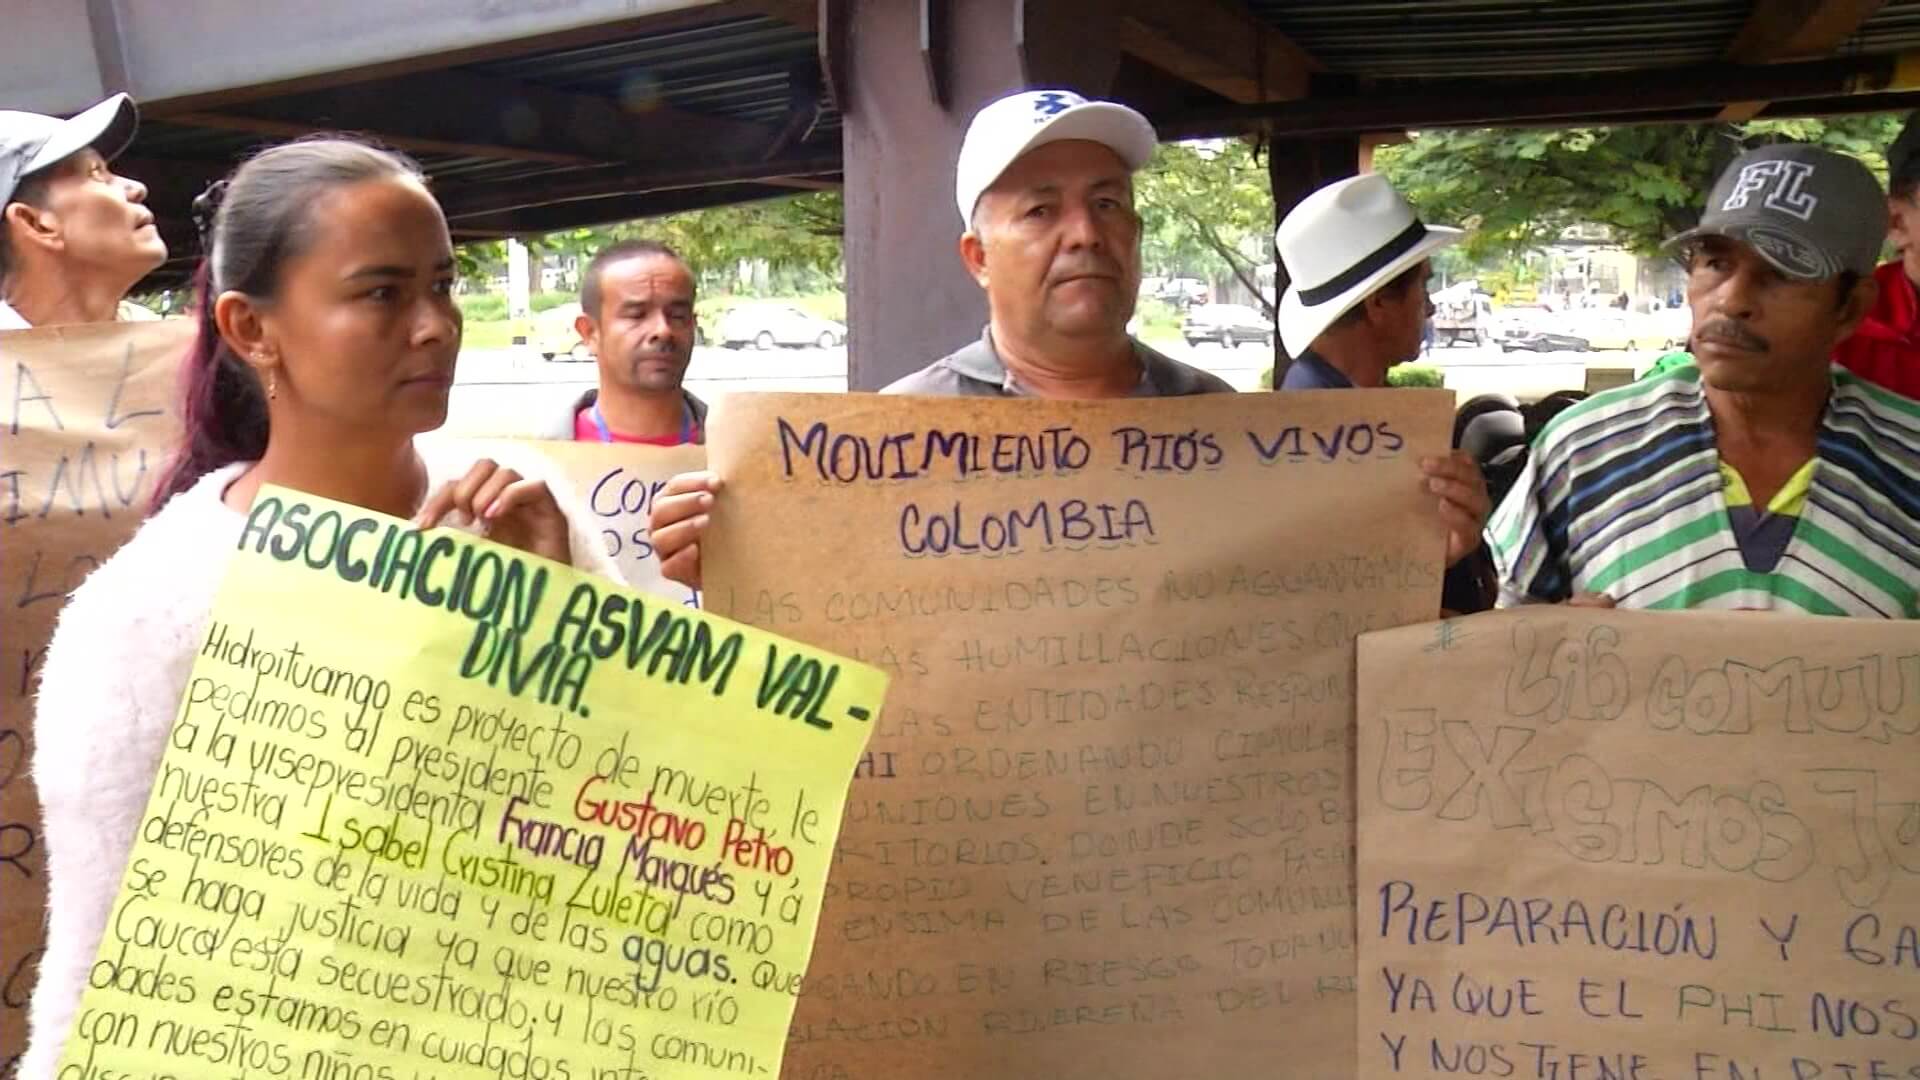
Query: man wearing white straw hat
x=1356, y=256
x=74, y=236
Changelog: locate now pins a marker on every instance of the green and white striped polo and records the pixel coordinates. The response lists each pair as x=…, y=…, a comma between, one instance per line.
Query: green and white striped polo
x=1623, y=494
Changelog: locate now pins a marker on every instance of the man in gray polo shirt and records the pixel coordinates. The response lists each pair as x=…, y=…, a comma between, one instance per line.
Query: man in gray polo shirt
x=1044, y=186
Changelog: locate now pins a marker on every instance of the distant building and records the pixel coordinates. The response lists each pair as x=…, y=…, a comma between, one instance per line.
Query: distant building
x=1586, y=268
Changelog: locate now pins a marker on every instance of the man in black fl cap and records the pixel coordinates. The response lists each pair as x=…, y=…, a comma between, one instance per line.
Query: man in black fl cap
x=1752, y=475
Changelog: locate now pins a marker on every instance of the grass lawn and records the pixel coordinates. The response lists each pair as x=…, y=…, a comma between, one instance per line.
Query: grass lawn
x=495, y=334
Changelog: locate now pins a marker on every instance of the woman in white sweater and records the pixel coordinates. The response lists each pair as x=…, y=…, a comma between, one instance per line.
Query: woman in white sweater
x=328, y=336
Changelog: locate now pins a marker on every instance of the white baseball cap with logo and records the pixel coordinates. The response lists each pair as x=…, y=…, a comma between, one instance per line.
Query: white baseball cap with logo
x=31, y=143
x=1004, y=130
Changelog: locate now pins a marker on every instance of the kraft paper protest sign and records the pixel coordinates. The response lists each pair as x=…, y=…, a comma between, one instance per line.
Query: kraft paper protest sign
x=1638, y=845
x=91, y=418
x=434, y=808
x=615, y=485
x=1105, y=824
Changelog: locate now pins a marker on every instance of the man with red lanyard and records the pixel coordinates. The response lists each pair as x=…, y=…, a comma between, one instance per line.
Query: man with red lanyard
x=1886, y=348
x=636, y=314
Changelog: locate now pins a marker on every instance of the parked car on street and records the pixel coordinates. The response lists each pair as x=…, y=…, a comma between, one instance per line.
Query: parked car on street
x=1228, y=324
x=1535, y=329
x=1676, y=325
x=765, y=325
x=1181, y=291
x=554, y=337
x=1609, y=329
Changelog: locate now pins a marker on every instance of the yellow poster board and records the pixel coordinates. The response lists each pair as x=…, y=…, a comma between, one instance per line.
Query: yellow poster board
x=88, y=419
x=1639, y=845
x=1105, y=828
x=433, y=808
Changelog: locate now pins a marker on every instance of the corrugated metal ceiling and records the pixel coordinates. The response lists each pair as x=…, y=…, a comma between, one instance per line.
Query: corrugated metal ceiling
x=741, y=68
x=1491, y=38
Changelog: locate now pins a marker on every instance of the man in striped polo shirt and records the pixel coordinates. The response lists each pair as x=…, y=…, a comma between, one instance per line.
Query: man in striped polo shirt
x=1753, y=474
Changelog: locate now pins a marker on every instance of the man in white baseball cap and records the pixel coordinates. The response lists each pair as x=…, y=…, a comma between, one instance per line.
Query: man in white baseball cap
x=1356, y=256
x=74, y=236
x=1044, y=185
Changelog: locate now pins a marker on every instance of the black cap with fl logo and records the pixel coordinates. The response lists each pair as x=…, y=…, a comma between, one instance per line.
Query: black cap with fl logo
x=1812, y=213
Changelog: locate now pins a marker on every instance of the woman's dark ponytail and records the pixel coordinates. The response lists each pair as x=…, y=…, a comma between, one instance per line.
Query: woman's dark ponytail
x=223, y=409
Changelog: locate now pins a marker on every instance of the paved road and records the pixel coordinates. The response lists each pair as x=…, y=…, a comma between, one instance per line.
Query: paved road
x=514, y=392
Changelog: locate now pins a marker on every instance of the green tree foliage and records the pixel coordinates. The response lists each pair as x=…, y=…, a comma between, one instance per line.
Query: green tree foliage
x=799, y=234
x=1519, y=188
x=1206, y=208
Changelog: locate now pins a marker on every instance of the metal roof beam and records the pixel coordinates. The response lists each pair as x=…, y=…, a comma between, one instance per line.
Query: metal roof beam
x=1218, y=44
x=807, y=183
x=1521, y=102
x=572, y=188
x=804, y=14
x=608, y=209
x=481, y=116
x=412, y=144
x=1791, y=29
x=1796, y=29
x=59, y=54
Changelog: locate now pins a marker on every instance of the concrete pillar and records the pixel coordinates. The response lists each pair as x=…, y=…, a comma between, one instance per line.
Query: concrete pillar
x=909, y=300
x=519, y=279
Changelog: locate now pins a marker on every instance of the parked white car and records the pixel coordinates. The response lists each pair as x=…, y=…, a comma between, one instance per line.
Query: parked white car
x=554, y=336
x=764, y=325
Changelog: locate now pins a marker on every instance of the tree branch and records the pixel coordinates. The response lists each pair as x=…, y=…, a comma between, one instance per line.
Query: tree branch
x=1234, y=262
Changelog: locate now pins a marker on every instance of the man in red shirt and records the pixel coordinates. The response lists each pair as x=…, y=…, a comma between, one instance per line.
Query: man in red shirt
x=636, y=314
x=1886, y=348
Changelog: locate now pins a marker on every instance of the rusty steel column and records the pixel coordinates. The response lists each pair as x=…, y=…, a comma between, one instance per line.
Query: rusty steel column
x=1297, y=168
x=909, y=299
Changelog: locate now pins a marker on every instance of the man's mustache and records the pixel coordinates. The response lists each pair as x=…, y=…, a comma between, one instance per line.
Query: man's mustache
x=1728, y=332
x=1087, y=266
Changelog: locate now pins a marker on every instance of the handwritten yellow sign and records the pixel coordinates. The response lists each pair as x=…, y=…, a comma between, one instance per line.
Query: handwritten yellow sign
x=432, y=808
x=1623, y=845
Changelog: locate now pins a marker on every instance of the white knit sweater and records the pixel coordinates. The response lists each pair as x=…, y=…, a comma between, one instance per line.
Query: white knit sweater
x=114, y=675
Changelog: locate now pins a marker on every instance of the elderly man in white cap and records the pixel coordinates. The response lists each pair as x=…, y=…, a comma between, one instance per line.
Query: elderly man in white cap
x=1044, y=185
x=1357, y=259
x=74, y=237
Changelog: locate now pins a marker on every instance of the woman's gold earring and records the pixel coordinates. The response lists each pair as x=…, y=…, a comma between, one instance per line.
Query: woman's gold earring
x=273, y=387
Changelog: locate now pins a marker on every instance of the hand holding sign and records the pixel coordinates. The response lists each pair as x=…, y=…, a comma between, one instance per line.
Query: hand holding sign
x=512, y=510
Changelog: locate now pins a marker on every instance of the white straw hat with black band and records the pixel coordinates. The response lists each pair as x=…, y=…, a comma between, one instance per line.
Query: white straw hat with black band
x=1340, y=245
